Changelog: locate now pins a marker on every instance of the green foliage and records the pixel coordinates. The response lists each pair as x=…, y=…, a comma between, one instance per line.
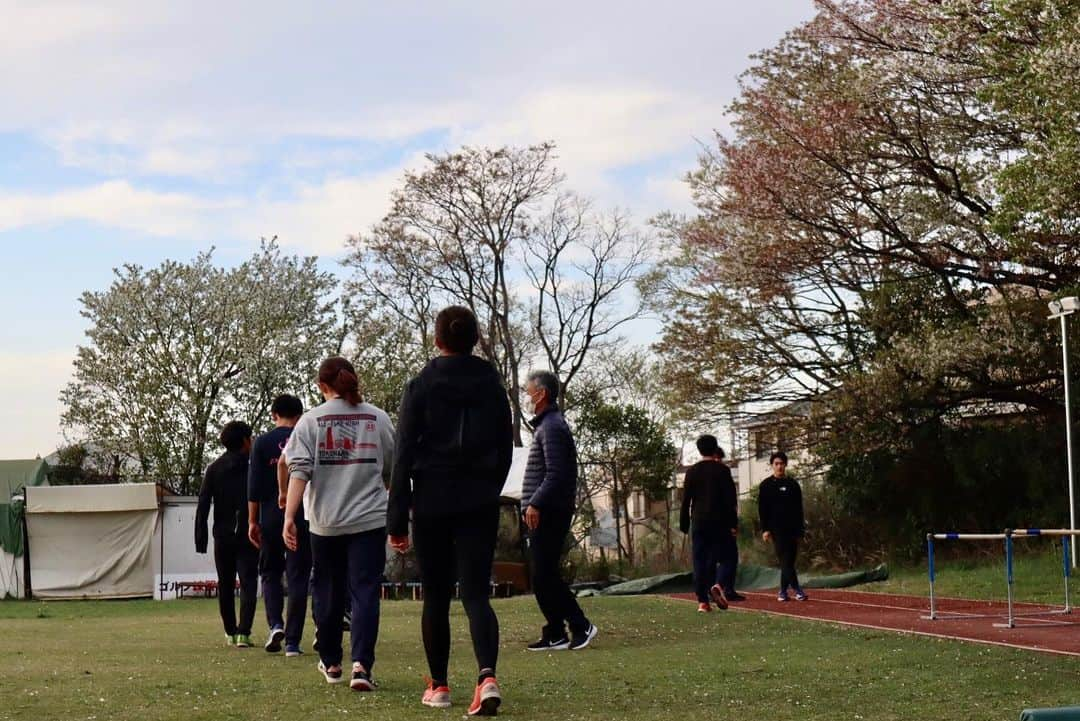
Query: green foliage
x=973, y=476
x=173, y=352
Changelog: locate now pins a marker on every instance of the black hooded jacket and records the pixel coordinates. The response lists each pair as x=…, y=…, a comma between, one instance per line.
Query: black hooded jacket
x=224, y=486
x=454, y=441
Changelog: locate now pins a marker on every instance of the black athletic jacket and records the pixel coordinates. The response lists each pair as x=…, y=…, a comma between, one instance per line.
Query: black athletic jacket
x=709, y=497
x=780, y=507
x=454, y=441
x=225, y=485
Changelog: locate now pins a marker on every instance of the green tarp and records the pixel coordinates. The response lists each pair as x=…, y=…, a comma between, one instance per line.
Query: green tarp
x=14, y=477
x=749, y=578
x=1065, y=713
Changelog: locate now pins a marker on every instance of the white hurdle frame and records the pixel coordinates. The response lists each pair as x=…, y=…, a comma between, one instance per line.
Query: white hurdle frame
x=1007, y=536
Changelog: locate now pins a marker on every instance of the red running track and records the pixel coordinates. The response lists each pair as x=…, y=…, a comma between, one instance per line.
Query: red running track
x=1057, y=633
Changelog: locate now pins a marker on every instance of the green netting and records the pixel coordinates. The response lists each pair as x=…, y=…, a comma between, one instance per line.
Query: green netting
x=14, y=477
x=749, y=578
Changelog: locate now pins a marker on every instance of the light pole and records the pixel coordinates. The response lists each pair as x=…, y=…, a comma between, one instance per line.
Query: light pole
x=1061, y=309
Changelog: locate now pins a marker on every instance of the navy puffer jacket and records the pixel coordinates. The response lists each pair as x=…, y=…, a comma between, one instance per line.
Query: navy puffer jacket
x=551, y=472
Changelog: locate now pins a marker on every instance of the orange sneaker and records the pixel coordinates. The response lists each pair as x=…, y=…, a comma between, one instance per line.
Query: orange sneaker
x=487, y=698
x=436, y=696
x=704, y=608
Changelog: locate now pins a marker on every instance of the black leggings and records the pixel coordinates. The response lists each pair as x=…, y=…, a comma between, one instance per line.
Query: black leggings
x=460, y=546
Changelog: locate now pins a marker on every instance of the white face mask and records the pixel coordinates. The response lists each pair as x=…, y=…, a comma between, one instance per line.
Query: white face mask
x=529, y=406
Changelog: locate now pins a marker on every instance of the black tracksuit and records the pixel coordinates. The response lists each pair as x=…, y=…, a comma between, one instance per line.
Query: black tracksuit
x=550, y=485
x=452, y=453
x=709, y=514
x=780, y=512
x=225, y=486
x=274, y=558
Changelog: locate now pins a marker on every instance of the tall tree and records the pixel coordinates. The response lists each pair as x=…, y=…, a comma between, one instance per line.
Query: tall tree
x=856, y=243
x=174, y=351
x=491, y=229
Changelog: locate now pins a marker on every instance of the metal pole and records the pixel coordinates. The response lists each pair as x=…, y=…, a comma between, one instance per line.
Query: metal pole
x=1009, y=575
x=1065, y=559
x=930, y=568
x=1068, y=434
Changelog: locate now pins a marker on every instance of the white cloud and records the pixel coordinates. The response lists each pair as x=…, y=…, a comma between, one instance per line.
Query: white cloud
x=115, y=204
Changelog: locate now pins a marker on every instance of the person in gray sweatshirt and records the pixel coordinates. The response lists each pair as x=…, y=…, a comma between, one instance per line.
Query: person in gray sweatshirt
x=340, y=458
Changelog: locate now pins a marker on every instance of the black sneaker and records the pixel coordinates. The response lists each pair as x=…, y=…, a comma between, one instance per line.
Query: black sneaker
x=273, y=643
x=734, y=596
x=333, y=676
x=550, y=644
x=361, y=681
x=581, y=640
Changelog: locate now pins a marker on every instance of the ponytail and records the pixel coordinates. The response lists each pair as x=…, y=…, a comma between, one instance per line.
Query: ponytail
x=339, y=375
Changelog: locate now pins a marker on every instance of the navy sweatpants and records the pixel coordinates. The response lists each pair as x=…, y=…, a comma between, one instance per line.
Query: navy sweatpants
x=716, y=559
x=348, y=569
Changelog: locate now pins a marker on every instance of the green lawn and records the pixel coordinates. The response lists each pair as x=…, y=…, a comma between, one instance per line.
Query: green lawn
x=655, y=658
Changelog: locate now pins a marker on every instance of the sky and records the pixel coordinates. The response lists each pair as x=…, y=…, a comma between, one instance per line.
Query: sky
x=134, y=132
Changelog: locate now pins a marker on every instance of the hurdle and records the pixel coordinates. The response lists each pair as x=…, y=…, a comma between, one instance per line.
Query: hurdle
x=1007, y=536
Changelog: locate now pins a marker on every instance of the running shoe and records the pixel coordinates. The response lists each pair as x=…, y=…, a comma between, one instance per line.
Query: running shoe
x=734, y=596
x=436, y=696
x=487, y=698
x=243, y=640
x=273, y=643
x=782, y=596
x=230, y=639
x=717, y=595
x=550, y=644
x=331, y=676
x=704, y=608
x=292, y=650
x=801, y=596
x=361, y=679
x=581, y=640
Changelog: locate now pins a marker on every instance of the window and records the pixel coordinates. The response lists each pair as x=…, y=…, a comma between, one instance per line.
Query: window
x=761, y=444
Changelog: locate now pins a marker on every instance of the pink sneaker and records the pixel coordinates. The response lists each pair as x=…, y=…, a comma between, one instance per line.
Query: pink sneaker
x=487, y=698
x=436, y=696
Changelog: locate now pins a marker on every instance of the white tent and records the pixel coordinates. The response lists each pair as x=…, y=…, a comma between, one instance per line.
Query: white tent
x=91, y=541
x=173, y=549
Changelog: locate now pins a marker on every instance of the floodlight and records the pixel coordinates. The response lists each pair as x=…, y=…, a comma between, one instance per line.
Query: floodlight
x=1054, y=306
x=1070, y=304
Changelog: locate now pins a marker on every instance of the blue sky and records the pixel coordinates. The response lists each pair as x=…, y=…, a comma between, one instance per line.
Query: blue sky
x=139, y=131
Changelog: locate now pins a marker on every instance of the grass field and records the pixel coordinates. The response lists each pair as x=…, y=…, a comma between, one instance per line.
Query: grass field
x=655, y=658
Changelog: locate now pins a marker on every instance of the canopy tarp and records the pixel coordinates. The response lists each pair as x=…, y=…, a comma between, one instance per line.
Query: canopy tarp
x=14, y=477
x=749, y=578
x=91, y=541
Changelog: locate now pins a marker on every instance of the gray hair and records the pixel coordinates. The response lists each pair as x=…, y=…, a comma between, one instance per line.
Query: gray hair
x=548, y=381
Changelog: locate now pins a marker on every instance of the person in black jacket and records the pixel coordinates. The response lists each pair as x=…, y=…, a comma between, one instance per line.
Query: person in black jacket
x=225, y=486
x=710, y=514
x=548, y=495
x=780, y=512
x=453, y=451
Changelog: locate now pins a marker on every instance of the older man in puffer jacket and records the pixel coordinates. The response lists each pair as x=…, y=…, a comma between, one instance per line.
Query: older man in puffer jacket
x=549, y=493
